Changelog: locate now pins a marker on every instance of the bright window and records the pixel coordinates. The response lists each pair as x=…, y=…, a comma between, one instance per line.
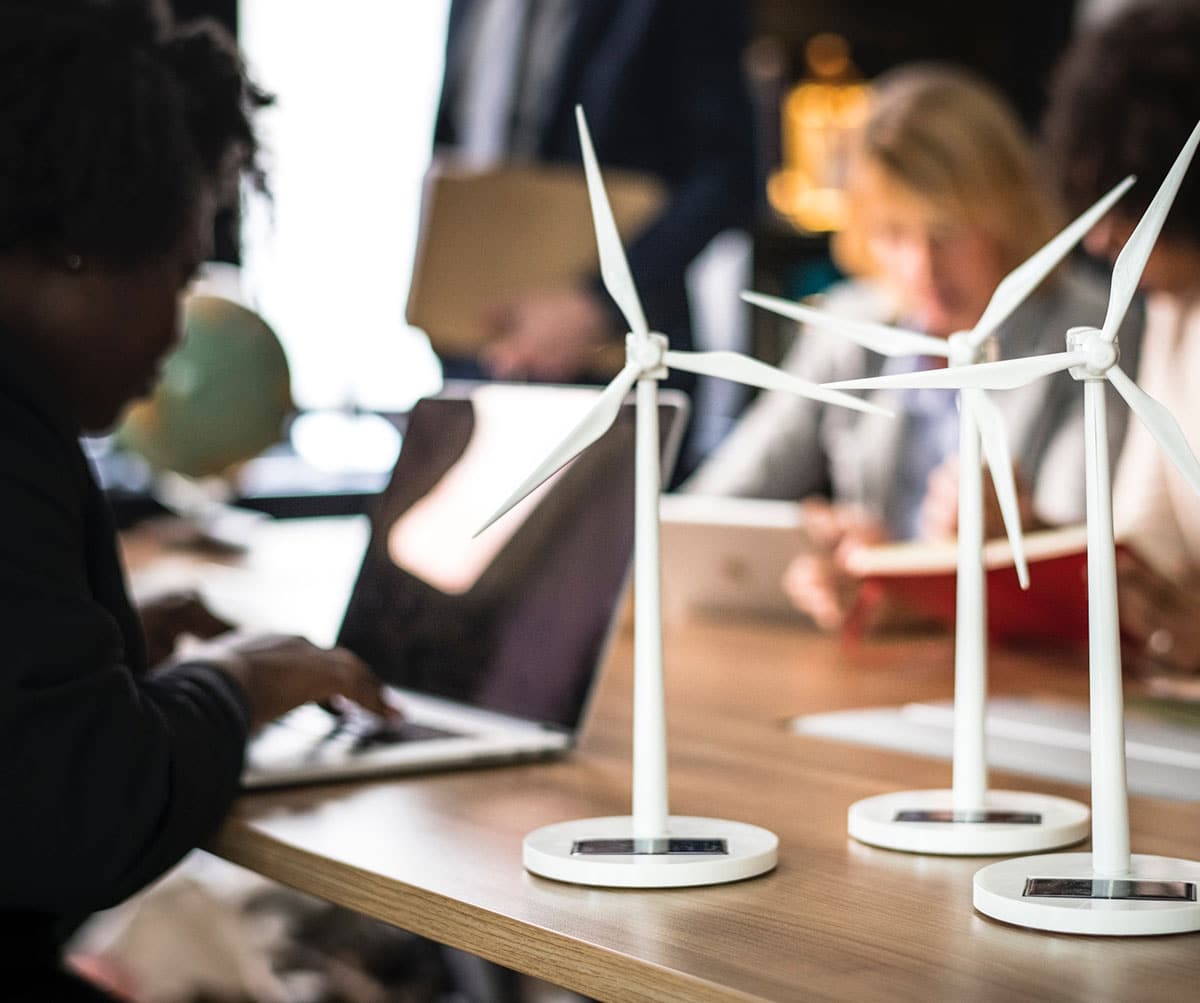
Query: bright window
x=328, y=262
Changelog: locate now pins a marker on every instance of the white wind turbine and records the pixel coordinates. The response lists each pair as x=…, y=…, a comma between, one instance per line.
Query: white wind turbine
x=650, y=848
x=969, y=818
x=1110, y=890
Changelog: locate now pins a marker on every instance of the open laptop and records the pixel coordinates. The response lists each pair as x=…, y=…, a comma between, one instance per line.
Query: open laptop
x=725, y=557
x=491, y=644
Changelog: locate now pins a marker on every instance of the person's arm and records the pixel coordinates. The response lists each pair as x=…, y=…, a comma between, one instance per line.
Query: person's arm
x=817, y=581
x=108, y=778
x=548, y=334
x=1160, y=618
x=699, y=141
x=172, y=615
x=112, y=774
x=775, y=450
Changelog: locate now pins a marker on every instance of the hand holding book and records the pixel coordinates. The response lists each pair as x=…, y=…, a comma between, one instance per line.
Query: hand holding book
x=1160, y=623
x=921, y=576
x=817, y=581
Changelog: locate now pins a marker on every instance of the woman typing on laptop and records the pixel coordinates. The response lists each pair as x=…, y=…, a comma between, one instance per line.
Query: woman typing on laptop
x=118, y=137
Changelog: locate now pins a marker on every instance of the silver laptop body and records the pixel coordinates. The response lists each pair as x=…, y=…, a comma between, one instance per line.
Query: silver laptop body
x=491, y=645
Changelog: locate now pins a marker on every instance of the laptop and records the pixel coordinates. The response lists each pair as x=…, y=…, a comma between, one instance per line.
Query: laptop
x=725, y=557
x=491, y=644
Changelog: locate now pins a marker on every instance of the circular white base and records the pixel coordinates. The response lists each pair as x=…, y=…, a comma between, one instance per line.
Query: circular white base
x=751, y=851
x=1063, y=822
x=999, y=887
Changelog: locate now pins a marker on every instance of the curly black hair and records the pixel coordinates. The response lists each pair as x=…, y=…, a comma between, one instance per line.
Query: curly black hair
x=111, y=117
x=1123, y=100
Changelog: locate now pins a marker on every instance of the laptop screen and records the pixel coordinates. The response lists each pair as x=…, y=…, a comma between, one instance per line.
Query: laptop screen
x=517, y=619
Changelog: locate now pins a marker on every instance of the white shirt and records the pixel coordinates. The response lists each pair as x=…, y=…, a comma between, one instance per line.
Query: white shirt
x=490, y=79
x=1155, y=510
x=513, y=53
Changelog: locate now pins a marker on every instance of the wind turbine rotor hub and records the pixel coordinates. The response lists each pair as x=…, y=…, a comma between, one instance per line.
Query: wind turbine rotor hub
x=1102, y=354
x=963, y=353
x=647, y=354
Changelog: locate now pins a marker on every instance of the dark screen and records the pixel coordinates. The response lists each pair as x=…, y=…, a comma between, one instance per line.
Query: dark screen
x=522, y=631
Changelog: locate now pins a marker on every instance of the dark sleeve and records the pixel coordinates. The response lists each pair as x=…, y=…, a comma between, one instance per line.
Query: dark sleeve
x=701, y=44
x=108, y=779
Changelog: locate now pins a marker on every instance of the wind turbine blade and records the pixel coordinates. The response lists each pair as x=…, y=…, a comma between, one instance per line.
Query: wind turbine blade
x=594, y=424
x=877, y=337
x=1162, y=425
x=614, y=267
x=994, y=438
x=1131, y=262
x=1027, y=276
x=1004, y=375
x=742, y=369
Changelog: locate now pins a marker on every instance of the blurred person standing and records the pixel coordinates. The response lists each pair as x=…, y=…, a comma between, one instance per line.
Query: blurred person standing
x=664, y=91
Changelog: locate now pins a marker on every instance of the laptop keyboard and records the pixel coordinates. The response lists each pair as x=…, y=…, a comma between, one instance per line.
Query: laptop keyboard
x=354, y=731
x=366, y=732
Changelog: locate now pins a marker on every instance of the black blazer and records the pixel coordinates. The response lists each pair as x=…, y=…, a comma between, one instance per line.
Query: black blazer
x=662, y=85
x=108, y=776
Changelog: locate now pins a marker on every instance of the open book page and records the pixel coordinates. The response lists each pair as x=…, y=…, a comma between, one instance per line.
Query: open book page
x=915, y=557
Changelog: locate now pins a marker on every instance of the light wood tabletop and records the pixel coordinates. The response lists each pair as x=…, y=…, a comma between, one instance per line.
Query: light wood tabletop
x=441, y=854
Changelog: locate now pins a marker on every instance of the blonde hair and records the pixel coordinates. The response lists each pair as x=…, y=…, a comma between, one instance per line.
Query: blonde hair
x=945, y=136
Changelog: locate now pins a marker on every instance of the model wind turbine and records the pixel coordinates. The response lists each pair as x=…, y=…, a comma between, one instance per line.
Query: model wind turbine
x=968, y=818
x=650, y=848
x=1110, y=890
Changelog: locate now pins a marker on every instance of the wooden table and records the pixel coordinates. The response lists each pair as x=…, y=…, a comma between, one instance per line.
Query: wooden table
x=441, y=855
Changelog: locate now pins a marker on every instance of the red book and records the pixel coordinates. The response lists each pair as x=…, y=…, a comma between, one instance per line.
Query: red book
x=921, y=577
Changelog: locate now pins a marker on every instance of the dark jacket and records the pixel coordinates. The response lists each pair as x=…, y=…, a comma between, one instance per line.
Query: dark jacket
x=662, y=85
x=108, y=776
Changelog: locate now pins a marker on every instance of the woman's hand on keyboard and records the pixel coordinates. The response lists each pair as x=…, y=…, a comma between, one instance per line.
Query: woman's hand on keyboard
x=168, y=617
x=279, y=672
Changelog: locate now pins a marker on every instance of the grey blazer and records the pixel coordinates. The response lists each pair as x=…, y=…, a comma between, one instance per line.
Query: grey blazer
x=785, y=446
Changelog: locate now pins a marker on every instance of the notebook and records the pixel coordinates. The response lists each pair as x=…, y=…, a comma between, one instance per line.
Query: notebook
x=922, y=576
x=492, y=644
x=725, y=557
